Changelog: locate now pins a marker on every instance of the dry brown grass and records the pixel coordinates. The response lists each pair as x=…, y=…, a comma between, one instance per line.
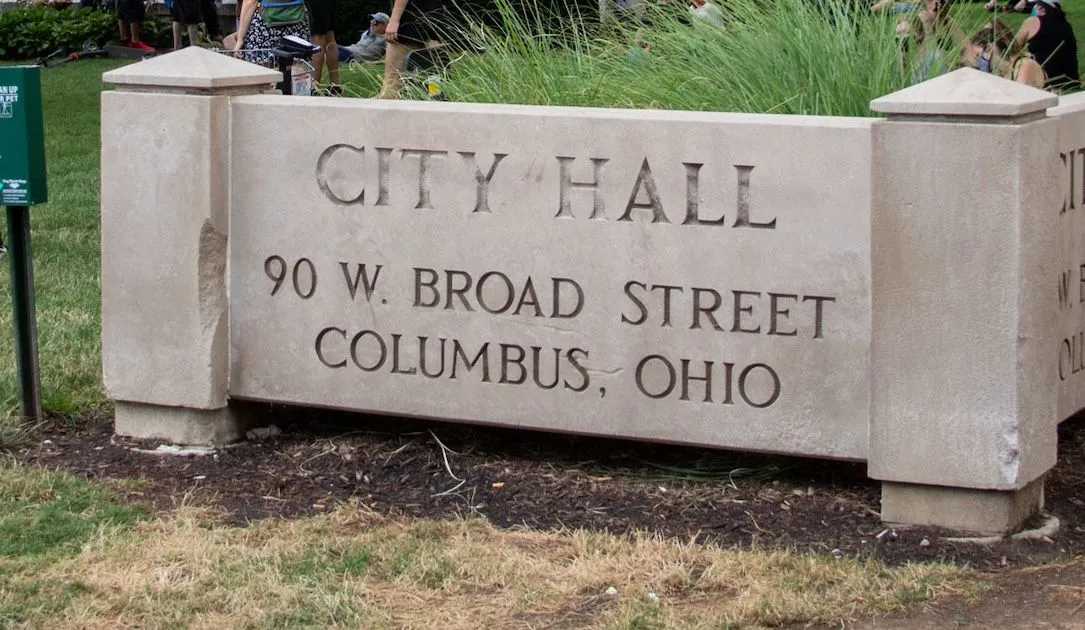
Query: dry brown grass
x=354, y=569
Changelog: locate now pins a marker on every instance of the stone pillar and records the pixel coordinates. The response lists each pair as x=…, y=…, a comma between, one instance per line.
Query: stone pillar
x=165, y=180
x=966, y=198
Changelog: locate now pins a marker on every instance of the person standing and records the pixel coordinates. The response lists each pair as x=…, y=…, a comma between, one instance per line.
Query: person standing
x=262, y=23
x=130, y=15
x=210, y=14
x=322, y=16
x=413, y=25
x=1051, y=41
x=186, y=16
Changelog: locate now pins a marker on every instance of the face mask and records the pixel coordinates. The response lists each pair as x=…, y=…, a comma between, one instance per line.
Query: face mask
x=1035, y=11
x=983, y=65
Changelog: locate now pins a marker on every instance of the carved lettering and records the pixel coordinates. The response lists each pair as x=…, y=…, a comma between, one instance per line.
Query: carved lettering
x=645, y=182
x=567, y=185
x=482, y=182
x=322, y=174
x=424, y=164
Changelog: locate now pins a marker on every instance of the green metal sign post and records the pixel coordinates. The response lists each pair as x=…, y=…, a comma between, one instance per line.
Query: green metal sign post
x=22, y=184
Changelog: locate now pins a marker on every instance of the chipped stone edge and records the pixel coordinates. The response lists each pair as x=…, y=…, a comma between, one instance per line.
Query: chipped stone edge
x=1046, y=531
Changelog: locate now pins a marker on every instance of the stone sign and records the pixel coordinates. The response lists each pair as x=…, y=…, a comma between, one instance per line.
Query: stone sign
x=698, y=278
x=1070, y=281
x=862, y=289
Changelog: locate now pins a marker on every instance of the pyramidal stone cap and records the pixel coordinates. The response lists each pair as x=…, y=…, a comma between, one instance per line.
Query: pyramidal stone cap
x=192, y=68
x=966, y=92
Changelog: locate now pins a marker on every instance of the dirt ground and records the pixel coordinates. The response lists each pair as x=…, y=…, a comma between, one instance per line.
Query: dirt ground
x=1048, y=597
x=440, y=470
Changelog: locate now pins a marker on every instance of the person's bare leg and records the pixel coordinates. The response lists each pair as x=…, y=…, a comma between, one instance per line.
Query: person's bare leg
x=318, y=58
x=177, y=43
x=331, y=56
x=135, y=32
x=395, y=55
x=122, y=26
x=193, y=35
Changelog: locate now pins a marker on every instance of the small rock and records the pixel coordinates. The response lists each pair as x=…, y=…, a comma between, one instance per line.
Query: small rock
x=836, y=553
x=652, y=597
x=798, y=492
x=662, y=489
x=924, y=543
x=810, y=491
x=611, y=592
x=47, y=442
x=263, y=433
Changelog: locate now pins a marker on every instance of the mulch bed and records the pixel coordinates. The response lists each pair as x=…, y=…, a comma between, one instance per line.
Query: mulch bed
x=523, y=478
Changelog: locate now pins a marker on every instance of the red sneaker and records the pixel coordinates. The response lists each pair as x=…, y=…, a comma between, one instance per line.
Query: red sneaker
x=142, y=46
x=126, y=43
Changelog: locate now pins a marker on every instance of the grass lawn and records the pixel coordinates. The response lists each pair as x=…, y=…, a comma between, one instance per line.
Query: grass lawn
x=72, y=556
x=65, y=243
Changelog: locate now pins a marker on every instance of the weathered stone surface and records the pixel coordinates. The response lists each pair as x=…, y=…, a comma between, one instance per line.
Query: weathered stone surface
x=164, y=226
x=1070, y=275
x=178, y=425
x=966, y=92
x=962, y=509
x=963, y=383
x=192, y=67
x=432, y=196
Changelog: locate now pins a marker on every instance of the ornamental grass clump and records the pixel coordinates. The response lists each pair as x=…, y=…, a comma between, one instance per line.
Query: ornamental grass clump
x=821, y=57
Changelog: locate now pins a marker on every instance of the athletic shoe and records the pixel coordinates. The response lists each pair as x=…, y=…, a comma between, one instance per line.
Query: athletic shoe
x=142, y=46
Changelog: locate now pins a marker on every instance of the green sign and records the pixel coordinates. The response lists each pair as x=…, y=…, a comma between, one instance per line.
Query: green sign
x=22, y=137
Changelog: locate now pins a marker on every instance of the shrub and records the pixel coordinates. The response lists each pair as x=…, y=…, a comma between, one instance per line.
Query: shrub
x=781, y=56
x=36, y=31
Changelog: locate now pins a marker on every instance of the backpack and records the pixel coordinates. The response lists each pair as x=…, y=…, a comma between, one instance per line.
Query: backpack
x=279, y=13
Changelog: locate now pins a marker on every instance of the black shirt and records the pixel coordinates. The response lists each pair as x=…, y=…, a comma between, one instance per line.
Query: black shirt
x=1055, y=48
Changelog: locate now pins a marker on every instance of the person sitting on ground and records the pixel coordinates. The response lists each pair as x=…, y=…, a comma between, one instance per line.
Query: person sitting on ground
x=707, y=11
x=371, y=44
x=990, y=51
x=893, y=6
x=1050, y=40
x=916, y=50
x=1010, y=6
x=925, y=39
x=263, y=23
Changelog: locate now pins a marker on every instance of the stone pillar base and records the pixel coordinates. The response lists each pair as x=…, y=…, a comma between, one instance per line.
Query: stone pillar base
x=178, y=425
x=962, y=509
